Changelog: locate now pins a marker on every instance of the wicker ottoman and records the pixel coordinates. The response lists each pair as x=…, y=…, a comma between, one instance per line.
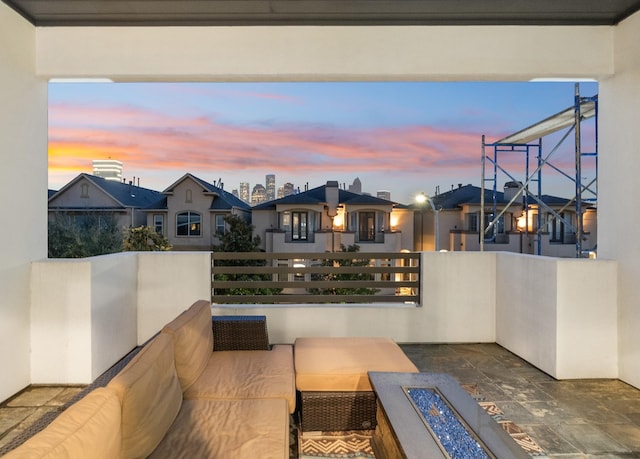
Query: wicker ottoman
x=333, y=384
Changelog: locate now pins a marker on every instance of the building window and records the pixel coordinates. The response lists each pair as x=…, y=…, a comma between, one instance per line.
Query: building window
x=367, y=226
x=188, y=224
x=158, y=224
x=299, y=226
x=556, y=228
x=84, y=190
x=472, y=222
x=285, y=221
x=220, y=225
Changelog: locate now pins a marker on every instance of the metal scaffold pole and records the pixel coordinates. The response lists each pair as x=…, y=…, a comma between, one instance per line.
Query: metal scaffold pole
x=578, y=151
x=482, y=198
x=553, y=228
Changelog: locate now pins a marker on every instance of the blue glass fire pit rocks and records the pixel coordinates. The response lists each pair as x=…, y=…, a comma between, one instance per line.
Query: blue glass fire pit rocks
x=445, y=425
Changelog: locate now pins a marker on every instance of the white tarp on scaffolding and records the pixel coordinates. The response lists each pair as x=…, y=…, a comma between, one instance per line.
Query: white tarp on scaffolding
x=562, y=120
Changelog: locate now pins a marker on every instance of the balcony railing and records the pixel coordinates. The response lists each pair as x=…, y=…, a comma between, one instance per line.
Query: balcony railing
x=340, y=277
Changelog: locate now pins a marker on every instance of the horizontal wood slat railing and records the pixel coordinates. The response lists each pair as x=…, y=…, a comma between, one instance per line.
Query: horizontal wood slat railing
x=315, y=278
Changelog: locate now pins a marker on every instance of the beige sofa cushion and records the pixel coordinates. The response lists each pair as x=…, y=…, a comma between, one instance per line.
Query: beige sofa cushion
x=88, y=428
x=192, y=341
x=150, y=394
x=341, y=364
x=247, y=375
x=225, y=429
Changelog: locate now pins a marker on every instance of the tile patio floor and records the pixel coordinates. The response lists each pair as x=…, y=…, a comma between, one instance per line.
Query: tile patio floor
x=569, y=419
x=574, y=419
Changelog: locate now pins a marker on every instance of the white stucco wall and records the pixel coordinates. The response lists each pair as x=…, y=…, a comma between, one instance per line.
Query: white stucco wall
x=587, y=317
x=168, y=283
x=83, y=317
x=23, y=191
x=325, y=53
x=618, y=179
x=558, y=314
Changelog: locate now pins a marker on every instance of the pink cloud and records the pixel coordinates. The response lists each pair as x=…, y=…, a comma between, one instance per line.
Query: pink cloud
x=153, y=141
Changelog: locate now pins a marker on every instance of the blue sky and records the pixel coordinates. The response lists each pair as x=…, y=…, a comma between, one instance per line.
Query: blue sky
x=405, y=137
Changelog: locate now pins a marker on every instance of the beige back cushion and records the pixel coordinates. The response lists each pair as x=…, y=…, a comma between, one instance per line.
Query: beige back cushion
x=192, y=341
x=150, y=393
x=88, y=428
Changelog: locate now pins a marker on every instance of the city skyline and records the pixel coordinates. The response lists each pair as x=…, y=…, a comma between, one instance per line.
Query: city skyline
x=406, y=138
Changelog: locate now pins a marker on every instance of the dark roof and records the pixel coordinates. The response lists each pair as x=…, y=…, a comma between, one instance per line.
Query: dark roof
x=323, y=12
x=128, y=195
x=160, y=204
x=318, y=196
x=469, y=194
x=225, y=200
x=222, y=200
x=51, y=193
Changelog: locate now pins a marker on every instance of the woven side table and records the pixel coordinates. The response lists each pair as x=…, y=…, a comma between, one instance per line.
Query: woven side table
x=240, y=333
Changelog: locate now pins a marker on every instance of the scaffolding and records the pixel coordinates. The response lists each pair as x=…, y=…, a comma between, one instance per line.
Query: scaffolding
x=528, y=143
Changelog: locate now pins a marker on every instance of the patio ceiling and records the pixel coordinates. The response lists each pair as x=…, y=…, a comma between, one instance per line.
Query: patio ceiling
x=323, y=12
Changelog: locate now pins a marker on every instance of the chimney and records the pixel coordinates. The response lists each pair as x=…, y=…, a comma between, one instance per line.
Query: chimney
x=512, y=189
x=332, y=196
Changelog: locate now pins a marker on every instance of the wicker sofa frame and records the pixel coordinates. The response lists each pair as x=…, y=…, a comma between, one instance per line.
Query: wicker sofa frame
x=331, y=411
x=240, y=333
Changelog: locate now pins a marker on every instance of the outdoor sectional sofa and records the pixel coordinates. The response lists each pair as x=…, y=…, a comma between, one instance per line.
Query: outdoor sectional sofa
x=178, y=398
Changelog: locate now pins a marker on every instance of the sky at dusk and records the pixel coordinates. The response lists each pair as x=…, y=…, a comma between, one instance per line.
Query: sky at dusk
x=398, y=136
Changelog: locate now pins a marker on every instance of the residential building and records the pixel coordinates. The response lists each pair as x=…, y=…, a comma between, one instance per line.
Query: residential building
x=191, y=212
x=88, y=195
x=109, y=169
x=324, y=218
x=271, y=187
x=516, y=230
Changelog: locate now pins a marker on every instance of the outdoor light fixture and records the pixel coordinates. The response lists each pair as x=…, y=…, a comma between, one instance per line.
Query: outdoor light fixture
x=393, y=221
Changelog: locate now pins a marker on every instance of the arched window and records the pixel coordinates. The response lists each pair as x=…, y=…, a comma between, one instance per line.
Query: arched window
x=188, y=224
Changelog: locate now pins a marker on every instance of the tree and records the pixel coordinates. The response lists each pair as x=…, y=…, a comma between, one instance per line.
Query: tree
x=144, y=239
x=344, y=277
x=239, y=238
x=83, y=235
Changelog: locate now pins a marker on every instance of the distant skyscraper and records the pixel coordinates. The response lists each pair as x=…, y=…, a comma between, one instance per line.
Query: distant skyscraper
x=285, y=190
x=259, y=194
x=235, y=192
x=271, y=187
x=108, y=169
x=356, y=187
x=384, y=194
x=244, y=192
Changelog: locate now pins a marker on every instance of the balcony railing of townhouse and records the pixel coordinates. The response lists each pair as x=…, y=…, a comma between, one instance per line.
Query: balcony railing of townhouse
x=321, y=278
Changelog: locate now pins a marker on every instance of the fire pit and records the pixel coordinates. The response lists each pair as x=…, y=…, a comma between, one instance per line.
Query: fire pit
x=428, y=415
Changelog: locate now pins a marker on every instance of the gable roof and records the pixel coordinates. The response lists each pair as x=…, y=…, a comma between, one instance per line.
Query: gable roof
x=221, y=199
x=318, y=196
x=126, y=195
x=469, y=194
